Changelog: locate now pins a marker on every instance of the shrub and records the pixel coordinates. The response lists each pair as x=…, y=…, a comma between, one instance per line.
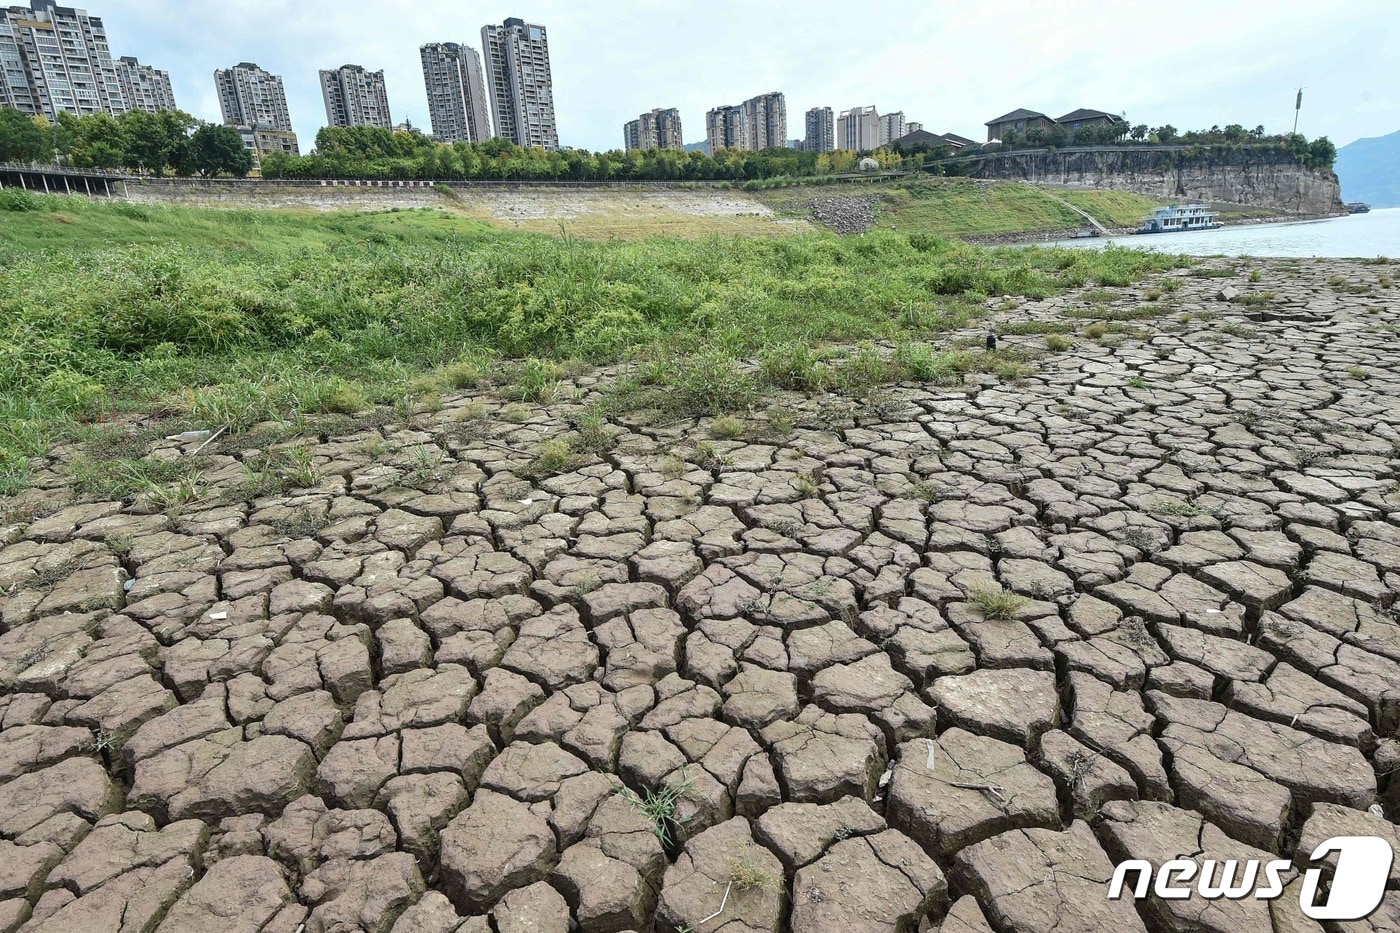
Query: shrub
x=18, y=200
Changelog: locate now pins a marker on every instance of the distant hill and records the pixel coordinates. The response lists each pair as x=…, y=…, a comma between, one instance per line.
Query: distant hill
x=1370, y=170
x=701, y=146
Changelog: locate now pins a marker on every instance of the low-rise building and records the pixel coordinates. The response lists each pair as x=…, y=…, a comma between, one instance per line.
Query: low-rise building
x=1020, y=122
x=923, y=139
x=262, y=142
x=1076, y=120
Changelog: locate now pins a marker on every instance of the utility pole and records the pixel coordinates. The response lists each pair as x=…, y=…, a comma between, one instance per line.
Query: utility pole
x=1297, y=106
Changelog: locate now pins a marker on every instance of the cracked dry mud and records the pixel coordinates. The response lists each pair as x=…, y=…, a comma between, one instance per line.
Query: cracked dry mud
x=410, y=698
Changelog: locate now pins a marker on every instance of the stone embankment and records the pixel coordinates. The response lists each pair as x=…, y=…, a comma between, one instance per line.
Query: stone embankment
x=1251, y=177
x=932, y=660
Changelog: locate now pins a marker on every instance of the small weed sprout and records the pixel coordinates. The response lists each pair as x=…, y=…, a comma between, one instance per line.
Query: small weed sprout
x=33, y=656
x=304, y=523
x=1188, y=509
x=1305, y=457
x=708, y=458
x=300, y=468
x=673, y=467
x=659, y=806
x=806, y=485
x=1142, y=539
x=185, y=490
x=102, y=740
x=746, y=875
x=515, y=414
x=591, y=435
x=1134, y=629
x=555, y=456
x=996, y=602
x=1080, y=763
x=726, y=428
x=586, y=583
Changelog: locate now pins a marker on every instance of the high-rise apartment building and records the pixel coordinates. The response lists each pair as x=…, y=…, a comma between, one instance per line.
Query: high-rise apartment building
x=821, y=130
x=767, y=116
x=255, y=103
x=659, y=129
x=858, y=129
x=891, y=126
x=144, y=87
x=249, y=96
x=758, y=123
x=522, y=90
x=355, y=97
x=912, y=127
x=727, y=127
x=55, y=59
x=456, y=92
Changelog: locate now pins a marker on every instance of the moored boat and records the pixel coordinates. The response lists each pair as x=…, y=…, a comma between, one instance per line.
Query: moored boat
x=1357, y=207
x=1179, y=218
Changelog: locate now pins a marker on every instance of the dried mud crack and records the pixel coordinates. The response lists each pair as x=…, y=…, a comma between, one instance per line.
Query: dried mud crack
x=936, y=663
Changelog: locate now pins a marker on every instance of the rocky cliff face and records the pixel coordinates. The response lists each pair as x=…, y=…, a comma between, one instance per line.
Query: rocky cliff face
x=1259, y=179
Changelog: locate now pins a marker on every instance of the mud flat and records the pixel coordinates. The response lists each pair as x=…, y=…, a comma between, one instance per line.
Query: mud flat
x=935, y=659
x=592, y=212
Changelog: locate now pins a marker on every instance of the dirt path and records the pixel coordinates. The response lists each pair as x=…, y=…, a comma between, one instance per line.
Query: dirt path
x=933, y=661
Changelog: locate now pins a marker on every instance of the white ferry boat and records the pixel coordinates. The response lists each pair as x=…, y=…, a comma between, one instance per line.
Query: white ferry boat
x=1178, y=218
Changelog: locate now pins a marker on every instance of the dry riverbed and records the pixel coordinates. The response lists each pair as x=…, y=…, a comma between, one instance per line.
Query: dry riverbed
x=934, y=660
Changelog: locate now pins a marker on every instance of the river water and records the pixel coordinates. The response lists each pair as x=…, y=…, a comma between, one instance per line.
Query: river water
x=1362, y=236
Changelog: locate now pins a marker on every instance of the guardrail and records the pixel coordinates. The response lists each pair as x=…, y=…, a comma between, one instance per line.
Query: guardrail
x=51, y=168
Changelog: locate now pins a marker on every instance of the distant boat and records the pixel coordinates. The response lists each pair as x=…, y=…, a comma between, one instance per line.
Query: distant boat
x=1179, y=218
x=1357, y=207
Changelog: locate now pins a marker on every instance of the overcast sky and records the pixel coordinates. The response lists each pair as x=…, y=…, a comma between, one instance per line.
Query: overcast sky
x=950, y=64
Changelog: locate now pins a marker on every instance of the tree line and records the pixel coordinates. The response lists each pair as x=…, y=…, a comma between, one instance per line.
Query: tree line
x=375, y=153
x=177, y=143
x=170, y=141
x=1318, y=153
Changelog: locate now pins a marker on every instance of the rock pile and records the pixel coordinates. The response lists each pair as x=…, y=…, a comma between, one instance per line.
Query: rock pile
x=844, y=215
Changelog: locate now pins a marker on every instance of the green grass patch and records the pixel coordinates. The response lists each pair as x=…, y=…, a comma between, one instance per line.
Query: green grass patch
x=1111, y=208
x=237, y=317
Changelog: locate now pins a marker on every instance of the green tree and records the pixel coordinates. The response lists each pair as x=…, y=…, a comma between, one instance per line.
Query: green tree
x=155, y=141
x=217, y=149
x=1322, y=153
x=22, y=139
x=1140, y=132
x=93, y=141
